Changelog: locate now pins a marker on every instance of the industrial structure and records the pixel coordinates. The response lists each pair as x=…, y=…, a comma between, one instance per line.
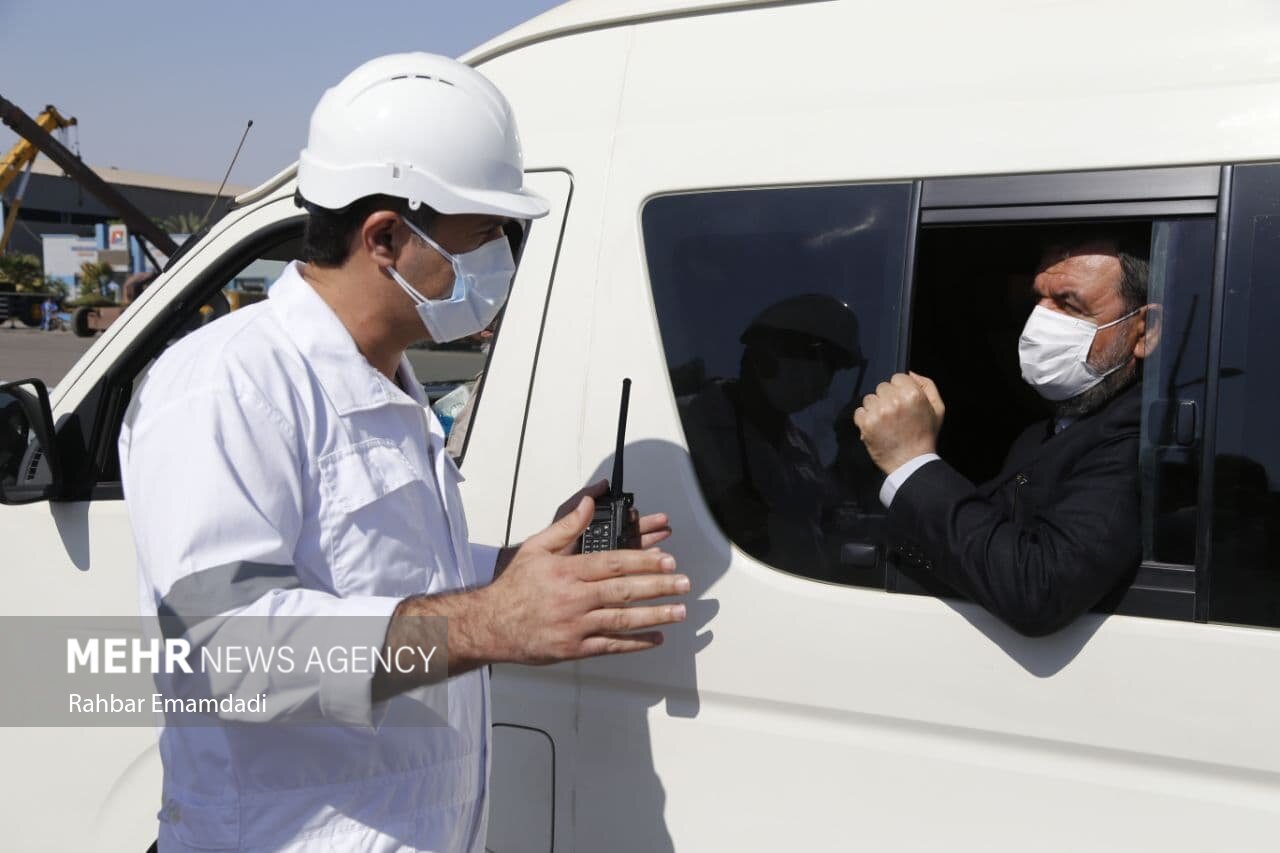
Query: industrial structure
x=64, y=197
x=56, y=204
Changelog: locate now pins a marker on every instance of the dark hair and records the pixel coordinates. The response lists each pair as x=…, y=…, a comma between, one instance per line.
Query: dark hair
x=1132, y=246
x=329, y=233
x=1135, y=273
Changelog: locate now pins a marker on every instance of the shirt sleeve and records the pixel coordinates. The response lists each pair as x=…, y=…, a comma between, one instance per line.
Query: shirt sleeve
x=485, y=559
x=901, y=474
x=213, y=480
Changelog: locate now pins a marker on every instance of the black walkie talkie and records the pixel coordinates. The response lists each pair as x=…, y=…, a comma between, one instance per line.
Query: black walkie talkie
x=610, y=527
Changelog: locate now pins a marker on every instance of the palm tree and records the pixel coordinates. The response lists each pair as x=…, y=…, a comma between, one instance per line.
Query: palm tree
x=92, y=277
x=182, y=223
x=21, y=273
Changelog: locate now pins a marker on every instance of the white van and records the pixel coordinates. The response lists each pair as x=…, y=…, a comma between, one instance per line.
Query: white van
x=704, y=161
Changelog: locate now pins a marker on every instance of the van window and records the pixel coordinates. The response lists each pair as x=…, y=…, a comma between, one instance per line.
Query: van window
x=1245, y=578
x=972, y=296
x=450, y=373
x=777, y=308
x=1174, y=388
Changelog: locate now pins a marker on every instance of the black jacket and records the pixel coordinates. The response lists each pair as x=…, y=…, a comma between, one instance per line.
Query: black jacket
x=1045, y=540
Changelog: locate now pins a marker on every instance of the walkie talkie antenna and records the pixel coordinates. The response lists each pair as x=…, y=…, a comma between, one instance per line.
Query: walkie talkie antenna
x=616, y=484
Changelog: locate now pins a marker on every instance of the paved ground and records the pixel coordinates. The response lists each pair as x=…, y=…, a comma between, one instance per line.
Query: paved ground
x=30, y=353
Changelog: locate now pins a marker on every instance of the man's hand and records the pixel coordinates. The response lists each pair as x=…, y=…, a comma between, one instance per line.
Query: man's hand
x=901, y=420
x=550, y=606
x=545, y=607
x=649, y=530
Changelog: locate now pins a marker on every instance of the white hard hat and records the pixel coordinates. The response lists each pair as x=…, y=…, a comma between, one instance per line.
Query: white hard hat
x=421, y=127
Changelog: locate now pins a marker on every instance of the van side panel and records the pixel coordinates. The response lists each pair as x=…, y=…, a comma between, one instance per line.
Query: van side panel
x=861, y=90
x=791, y=714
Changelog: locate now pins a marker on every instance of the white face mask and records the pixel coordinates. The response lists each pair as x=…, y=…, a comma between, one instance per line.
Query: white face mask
x=1054, y=351
x=481, y=282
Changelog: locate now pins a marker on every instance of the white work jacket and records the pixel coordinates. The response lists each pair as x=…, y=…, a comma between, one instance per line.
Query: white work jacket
x=270, y=470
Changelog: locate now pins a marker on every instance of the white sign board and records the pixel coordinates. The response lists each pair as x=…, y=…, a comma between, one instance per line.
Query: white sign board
x=64, y=253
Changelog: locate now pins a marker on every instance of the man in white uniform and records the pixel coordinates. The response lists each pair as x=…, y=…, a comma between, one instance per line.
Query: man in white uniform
x=285, y=477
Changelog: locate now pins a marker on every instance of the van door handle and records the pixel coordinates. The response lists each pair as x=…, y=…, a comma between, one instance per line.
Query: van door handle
x=1184, y=428
x=858, y=555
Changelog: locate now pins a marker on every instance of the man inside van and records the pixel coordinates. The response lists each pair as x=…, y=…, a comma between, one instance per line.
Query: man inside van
x=1058, y=528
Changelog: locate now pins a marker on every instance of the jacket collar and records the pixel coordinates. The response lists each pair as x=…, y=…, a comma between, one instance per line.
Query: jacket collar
x=347, y=378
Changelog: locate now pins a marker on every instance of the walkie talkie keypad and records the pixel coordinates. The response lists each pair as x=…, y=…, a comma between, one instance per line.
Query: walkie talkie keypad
x=598, y=537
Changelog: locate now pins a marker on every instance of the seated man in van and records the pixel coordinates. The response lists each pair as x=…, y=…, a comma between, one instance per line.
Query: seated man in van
x=1058, y=528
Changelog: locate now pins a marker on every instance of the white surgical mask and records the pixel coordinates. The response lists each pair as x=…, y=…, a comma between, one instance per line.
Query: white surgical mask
x=1054, y=351
x=481, y=282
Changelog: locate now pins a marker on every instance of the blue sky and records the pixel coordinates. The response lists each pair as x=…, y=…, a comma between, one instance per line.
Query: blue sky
x=167, y=87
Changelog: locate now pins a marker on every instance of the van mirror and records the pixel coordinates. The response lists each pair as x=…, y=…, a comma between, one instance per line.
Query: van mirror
x=29, y=468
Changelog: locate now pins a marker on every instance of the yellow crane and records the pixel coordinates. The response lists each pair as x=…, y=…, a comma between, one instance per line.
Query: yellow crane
x=18, y=163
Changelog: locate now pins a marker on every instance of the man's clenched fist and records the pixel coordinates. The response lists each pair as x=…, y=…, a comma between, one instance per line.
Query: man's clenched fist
x=900, y=421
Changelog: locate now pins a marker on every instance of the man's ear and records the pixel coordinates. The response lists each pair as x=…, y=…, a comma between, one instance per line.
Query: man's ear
x=380, y=237
x=1149, y=327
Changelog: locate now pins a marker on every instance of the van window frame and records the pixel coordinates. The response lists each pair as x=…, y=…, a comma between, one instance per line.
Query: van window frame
x=1159, y=590
x=1242, y=202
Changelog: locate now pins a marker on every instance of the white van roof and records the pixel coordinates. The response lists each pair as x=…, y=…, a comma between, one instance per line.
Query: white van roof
x=578, y=15
x=571, y=17
x=971, y=92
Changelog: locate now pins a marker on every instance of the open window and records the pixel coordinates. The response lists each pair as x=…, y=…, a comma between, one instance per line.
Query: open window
x=978, y=249
x=723, y=264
